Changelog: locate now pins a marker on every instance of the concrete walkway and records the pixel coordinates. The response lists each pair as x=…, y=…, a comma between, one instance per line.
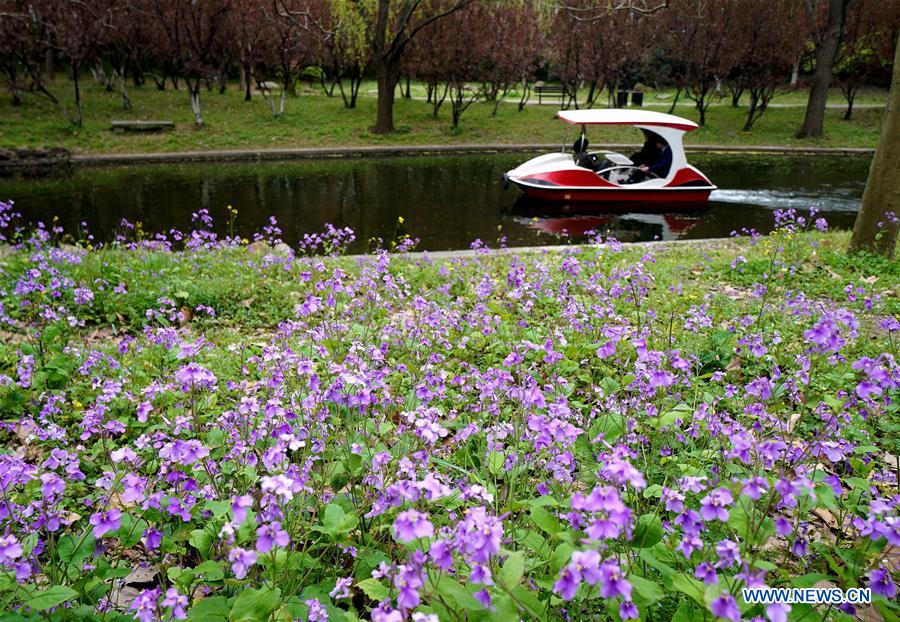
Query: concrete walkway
x=310, y=153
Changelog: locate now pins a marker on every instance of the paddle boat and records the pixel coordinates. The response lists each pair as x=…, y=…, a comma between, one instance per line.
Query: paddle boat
x=610, y=177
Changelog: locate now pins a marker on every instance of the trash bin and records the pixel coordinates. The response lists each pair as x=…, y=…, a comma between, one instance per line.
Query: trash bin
x=622, y=99
x=637, y=98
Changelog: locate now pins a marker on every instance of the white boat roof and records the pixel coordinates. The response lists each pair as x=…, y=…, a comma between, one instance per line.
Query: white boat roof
x=618, y=116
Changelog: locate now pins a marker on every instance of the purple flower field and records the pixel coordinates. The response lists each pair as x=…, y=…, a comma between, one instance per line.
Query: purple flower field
x=197, y=429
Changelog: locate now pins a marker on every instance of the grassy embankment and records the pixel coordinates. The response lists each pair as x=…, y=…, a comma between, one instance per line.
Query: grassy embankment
x=314, y=120
x=286, y=387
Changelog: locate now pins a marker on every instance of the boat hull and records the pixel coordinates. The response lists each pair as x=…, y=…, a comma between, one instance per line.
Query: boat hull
x=656, y=196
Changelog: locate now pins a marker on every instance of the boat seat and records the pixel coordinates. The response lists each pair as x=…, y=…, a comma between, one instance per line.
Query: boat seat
x=617, y=158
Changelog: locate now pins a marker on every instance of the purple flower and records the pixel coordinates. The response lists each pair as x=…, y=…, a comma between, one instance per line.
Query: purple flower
x=441, y=555
x=484, y=597
x=783, y=526
x=241, y=561
x=146, y=605
x=761, y=388
x=880, y=582
x=628, y=611
x=778, y=612
x=177, y=602
x=478, y=535
x=341, y=588
x=239, y=507
x=104, y=522
x=412, y=525
x=867, y=389
x=152, y=539
x=706, y=573
x=317, y=612
x=712, y=506
x=10, y=549
x=193, y=376
x=726, y=607
x=660, y=378
x=83, y=296
x=271, y=535
x=51, y=485
x=613, y=582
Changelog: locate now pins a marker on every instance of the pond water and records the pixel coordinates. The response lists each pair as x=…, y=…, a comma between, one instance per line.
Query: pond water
x=446, y=202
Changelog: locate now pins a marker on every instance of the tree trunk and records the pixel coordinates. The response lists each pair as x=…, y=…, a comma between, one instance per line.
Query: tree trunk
x=387, y=79
x=120, y=78
x=826, y=53
x=247, y=82
x=877, y=223
x=49, y=66
x=76, y=75
x=194, y=88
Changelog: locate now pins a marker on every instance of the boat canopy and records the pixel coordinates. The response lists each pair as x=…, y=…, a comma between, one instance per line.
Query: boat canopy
x=626, y=117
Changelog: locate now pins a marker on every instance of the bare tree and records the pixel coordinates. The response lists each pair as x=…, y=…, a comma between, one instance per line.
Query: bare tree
x=827, y=41
x=195, y=38
x=390, y=27
x=765, y=48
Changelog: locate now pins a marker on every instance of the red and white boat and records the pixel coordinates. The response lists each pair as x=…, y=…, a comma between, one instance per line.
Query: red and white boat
x=610, y=177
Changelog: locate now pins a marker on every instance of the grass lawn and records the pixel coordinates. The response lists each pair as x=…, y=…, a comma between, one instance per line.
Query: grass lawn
x=314, y=120
x=602, y=433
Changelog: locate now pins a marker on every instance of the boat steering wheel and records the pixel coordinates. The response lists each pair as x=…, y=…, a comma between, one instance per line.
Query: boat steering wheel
x=630, y=168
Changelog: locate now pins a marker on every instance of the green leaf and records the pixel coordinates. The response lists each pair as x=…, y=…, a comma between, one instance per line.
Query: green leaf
x=648, y=591
x=374, y=589
x=201, y=540
x=690, y=586
x=254, y=605
x=73, y=550
x=684, y=613
x=212, y=609
x=211, y=570
x=336, y=520
x=653, y=491
x=545, y=520
x=51, y=597
x=513, y=569
x=496, y=462
x=809, y=580
x=649, y=556
x=560, y=557
x=647, y=531
x=455, y=593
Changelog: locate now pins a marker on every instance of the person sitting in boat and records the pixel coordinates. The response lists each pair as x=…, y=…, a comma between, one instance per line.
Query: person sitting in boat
x=649, y=151
x=582, y=157
x=656, y=166
x=660, y=167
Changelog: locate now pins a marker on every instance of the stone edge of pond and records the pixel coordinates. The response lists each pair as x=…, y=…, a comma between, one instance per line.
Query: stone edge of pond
x=307, y=153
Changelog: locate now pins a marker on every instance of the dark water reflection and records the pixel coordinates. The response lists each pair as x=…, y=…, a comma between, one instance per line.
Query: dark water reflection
x=447, y=202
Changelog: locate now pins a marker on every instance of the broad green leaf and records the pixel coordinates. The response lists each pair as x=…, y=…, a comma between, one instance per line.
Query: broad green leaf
x=373, y=588
x=647, y=531
x=496, y=461
x=648, y=591
x=73, y=549
x=212, y=609
x=690, y=586
x=51, y=597
x=336, y=520
x=201, y=540
x=545, y=520
x=254, y=605
x=513, y=569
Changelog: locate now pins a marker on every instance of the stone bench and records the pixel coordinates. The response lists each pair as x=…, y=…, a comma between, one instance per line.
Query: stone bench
x=141, y=126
